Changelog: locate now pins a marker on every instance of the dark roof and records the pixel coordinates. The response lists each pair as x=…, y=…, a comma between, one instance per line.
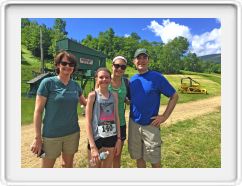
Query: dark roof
x=38, y=78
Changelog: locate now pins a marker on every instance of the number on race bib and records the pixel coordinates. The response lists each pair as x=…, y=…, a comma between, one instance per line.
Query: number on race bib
x=107, y=130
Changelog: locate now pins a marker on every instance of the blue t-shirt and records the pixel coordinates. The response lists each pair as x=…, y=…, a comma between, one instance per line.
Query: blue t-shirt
x=60, y=116
x=145, y=95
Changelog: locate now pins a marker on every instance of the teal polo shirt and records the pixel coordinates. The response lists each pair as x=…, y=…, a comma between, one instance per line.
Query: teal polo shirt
x=60, y=114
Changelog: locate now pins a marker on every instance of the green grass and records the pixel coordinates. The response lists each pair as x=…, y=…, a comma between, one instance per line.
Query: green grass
x=27, y=110
x=213, y=88
x=212, y=76
x=192, y=143
x=29, y=65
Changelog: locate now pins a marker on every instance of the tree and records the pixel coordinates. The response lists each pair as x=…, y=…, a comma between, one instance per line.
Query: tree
x=46, y=32
x=129, y=46
x=56, y=34
x=30, y=36
x=25, y=22
x=191, y=63
x=135, y=36
x=105, y=42
x=118, y=44
x=60, y=25
x=156, y=52
x=90, y=42
x=172, y=54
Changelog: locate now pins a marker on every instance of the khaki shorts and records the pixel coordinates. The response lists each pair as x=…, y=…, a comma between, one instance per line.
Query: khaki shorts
x=66, y=144
x=144, y=142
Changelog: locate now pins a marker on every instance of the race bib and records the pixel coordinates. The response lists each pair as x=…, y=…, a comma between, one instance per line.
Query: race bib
x=107, y=129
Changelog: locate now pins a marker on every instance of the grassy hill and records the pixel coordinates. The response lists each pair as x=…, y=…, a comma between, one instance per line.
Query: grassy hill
x=212, y=76
x=30, y=65
x=216, y=58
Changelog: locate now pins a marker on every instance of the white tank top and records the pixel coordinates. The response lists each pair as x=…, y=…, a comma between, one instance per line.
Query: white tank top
x=103, y=117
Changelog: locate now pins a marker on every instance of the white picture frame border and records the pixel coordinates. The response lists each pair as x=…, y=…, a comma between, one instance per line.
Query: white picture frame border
x=6, y=156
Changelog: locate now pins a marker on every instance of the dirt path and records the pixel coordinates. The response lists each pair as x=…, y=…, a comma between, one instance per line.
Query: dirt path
x=182, y=112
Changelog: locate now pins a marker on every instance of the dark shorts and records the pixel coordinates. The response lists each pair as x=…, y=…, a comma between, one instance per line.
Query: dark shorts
x=105, y=142
x=123, y=132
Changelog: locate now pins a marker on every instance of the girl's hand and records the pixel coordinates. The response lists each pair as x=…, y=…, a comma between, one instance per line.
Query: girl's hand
x=36, y=146
x=117, y=149
x=94, y=155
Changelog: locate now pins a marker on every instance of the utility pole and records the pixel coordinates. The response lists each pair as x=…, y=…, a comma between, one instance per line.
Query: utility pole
x=41, y=53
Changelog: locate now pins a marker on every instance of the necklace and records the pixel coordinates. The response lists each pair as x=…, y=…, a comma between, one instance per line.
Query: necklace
x=115, y=88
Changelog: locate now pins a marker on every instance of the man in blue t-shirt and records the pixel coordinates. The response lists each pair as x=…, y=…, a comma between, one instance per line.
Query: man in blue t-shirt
x=144, y=142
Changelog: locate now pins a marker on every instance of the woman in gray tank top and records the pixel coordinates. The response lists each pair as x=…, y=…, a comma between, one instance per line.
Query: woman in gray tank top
x=103, y=125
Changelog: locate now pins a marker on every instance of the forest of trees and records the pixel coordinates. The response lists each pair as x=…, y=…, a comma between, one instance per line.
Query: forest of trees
x=166, y=58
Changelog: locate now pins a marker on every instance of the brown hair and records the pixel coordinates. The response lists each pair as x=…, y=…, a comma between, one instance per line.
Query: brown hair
x=99, y=70
x=102, y=69
x=60, y=56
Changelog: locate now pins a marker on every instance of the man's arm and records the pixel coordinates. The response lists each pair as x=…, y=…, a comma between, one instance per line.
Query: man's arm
x=157, y=120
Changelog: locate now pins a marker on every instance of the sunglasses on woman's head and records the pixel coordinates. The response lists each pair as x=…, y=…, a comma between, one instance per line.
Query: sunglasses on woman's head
x=123, y=67
x=64, y=63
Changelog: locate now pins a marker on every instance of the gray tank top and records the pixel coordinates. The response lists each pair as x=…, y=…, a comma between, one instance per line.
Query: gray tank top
x=103, y=117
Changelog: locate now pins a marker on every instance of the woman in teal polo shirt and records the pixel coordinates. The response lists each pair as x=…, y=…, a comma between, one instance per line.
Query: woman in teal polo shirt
x=58, y=98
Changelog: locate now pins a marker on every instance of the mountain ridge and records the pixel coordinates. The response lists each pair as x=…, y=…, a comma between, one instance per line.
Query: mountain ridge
x=215, y=58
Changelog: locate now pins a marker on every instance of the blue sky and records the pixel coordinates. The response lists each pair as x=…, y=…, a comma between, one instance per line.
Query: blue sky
x=203, y=34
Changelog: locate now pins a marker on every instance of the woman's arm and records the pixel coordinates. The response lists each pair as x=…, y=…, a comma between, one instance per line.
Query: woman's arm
x=83, y=100
x=39, y=108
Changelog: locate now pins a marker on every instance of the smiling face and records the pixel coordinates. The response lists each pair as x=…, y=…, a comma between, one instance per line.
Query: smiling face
x=141, y=62
x=62, y=60
x=103, y=79
x=65, y=66
x=119, y=66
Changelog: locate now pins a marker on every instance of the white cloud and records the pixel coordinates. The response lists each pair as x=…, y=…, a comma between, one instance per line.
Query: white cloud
x=169, y=30
x=126, y=35
x=207, y=43
x=204, y=44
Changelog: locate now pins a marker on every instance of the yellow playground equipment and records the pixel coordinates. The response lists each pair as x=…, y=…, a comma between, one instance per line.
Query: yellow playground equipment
x=190, y=86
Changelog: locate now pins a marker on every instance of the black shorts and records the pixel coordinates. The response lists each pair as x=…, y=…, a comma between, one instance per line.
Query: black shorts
x=123, y=132
x=105, y=142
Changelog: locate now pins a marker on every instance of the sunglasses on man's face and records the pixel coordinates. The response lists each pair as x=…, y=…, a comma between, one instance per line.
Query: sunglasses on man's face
x=63, y=63
x=123, y=67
